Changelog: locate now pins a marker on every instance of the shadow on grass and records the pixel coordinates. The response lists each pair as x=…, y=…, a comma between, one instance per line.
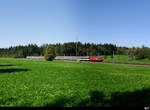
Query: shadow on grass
x=97, y=98
x=12, y=70
x=7, y=65
x=139, y=98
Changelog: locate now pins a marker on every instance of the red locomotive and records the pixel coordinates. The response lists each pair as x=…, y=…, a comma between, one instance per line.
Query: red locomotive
x=98, y=59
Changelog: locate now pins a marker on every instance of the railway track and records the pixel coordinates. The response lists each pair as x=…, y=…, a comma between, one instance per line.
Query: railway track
x=136, y=64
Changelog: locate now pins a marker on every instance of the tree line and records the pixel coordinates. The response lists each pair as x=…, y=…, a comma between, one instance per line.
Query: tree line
x=139, y=53
x=75, y=48
x=67, y=49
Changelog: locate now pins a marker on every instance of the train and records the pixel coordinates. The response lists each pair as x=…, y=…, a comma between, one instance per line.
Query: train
x=71, y=58
x=96, y=59
x=80, y=58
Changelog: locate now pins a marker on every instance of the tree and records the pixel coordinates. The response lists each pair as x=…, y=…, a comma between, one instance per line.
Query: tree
x=143, y=53
x=67, y=49
x=132, y=52
x=122, y=50
x=59, y=50
x=49, y=53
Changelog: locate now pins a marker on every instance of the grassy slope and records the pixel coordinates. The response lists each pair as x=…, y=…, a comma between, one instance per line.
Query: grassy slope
x=42, y=83
x=126, y=59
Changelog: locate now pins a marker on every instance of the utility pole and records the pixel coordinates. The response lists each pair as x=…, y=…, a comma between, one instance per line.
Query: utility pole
x=76, y=46
x=113, y=56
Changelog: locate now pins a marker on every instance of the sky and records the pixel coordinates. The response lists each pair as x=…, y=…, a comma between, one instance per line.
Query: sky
x=121, y=22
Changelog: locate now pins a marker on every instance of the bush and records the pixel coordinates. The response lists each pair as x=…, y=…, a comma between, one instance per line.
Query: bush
x=49, y=53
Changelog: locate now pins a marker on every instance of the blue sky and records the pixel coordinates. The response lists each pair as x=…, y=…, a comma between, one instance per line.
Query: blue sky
x=121, y=22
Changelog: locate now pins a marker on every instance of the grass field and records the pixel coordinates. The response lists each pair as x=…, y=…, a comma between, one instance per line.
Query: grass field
x=126, y=59
x=67, y=84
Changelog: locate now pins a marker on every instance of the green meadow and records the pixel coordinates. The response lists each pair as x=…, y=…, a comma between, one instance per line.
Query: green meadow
x=126, y=59
x=35, y=83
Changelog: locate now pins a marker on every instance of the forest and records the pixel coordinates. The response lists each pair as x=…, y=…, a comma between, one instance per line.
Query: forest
x=67, y=49
x=75, y=48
